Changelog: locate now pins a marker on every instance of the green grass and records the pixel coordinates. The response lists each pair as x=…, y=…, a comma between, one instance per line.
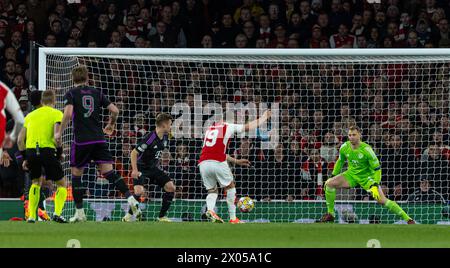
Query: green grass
x=189, y=235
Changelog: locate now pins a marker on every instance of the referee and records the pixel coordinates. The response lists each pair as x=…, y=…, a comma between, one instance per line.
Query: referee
x=39, y=149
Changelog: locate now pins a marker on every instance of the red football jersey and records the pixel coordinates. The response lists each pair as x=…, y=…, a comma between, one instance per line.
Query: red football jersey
x=216, y=141
x=8, y=101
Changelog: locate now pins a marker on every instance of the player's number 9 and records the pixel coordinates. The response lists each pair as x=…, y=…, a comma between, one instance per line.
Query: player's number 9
x=211, y=137
x=88, y=104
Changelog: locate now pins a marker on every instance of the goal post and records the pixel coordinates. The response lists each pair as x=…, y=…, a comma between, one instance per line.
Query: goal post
x=399, y=98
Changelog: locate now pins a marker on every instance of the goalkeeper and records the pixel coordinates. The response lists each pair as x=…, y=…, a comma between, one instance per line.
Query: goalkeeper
x=363, y=170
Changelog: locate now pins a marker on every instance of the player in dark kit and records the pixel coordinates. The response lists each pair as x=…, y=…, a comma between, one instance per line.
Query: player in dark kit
x=83, y=105
x=145, y=166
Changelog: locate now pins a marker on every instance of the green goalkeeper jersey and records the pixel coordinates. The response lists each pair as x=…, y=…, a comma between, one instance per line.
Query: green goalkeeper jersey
x=362, y=161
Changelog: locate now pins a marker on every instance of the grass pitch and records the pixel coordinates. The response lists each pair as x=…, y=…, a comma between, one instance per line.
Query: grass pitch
x=193, y=235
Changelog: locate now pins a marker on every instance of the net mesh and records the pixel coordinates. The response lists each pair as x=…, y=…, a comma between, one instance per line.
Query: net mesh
x=401, y=103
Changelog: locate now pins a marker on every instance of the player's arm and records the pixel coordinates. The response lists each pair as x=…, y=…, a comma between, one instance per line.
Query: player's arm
x=239, y=162
x=374, y=163
x=21, y=141
x=113, y=115
x=21, y=155
x=59, y=149
x=258, y=122
x=67, y=116
x=12, y=106
x=339, y=163
x=134, y=166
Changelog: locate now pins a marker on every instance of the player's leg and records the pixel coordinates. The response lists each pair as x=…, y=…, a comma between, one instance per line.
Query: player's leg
x=226, y=180
x=167, y=199
x=103, y=158
x=231, y=198
x=139, y=190
x=161, y=179
x=35, y=168
x=54, y=172
x=114, y=178
x=78, y=191
x=377, y=193
x=79, y=158
x=331, y=185
x=207, y=172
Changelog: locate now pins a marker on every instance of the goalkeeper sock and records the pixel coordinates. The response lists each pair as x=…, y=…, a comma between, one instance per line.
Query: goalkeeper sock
x=166, y=202
x=33, y=197
x=211, y=201
x=78, y=191
x=396, y=209
x=231, y=197
x=60, y=199
x=330, y=196
x=114, y=178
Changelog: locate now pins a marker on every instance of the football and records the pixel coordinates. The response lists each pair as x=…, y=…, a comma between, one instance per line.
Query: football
x=246, y=204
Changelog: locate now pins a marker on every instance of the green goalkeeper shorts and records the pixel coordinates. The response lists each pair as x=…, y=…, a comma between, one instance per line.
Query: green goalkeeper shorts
x=364, y=180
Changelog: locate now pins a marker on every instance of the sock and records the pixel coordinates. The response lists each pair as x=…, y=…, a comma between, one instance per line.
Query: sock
x=78, y=191
x=330, y=196
x=33, y=197
x=114, y=178
x=166, y=202
x=80, y=211
x=60, y=198
x=42, y=198
x=231, y=197
x=211, y=201
x=396, y=209
x=137, y=197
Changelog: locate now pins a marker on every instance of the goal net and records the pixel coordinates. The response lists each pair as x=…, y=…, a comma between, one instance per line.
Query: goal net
x=401, y=103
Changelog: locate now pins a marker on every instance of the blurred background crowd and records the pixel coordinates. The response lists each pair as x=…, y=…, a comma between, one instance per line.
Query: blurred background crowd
x=403, y=109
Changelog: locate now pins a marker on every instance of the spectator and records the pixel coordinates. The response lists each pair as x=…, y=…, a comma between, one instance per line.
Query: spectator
x=426, y=194
x=17, y=44
x=57, y=30
x=250, y=32
x=241, y=41
x=207, y=41
x=435, y=168
x=307, y=20
x=280, y=36
x=50, y=40
x=265, y=31
x=423, y=32
x=358, y=26
x=9, y=73
x=227, y=32
x=342, y=39
x=316, y=38
x=442, y=38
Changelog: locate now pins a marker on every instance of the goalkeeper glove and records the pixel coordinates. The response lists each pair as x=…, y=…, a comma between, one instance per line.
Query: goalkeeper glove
x=375, y=193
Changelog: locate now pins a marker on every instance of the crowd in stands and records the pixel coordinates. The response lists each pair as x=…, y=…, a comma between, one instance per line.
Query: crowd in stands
x=403, y=109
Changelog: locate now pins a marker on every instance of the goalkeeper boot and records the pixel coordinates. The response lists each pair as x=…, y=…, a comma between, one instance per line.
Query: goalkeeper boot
x=59, y=219
x=235, y=221
x=213, y=217
x=411, y=221
x=30, y=220
x=79, y=216
x=164, y=219
x=43, y=215
x=327, y=218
